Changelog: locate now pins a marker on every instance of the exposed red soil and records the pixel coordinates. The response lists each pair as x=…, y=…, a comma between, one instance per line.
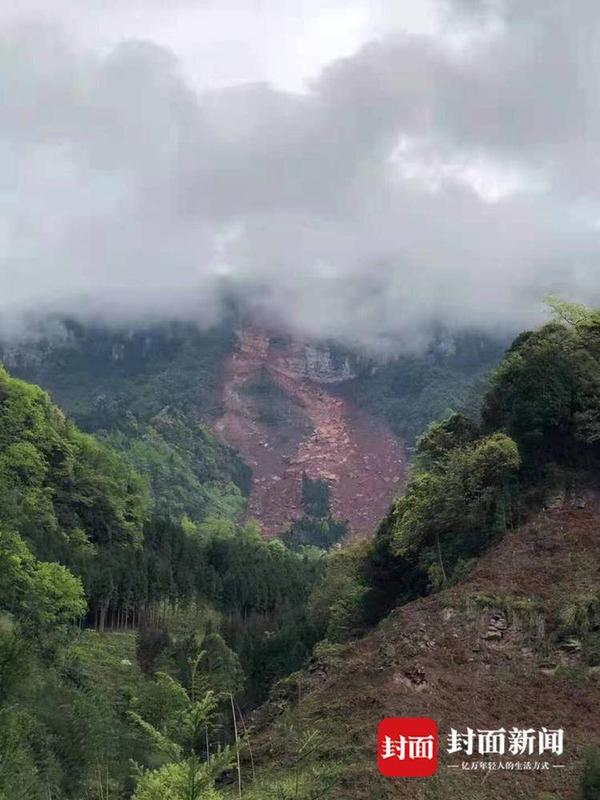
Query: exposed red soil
x=435, y=658
x=323, y=435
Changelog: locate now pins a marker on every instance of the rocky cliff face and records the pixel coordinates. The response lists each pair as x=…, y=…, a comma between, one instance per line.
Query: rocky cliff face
x=282, y=412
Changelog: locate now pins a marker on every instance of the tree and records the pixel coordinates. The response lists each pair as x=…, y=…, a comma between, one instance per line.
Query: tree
x=466, y=498
x=337, y=601
x=435, y=445
x=315, y=497
x=186, y=775
x=534, y=396
x=43, y=597
x=546, y=392
x=448, y=514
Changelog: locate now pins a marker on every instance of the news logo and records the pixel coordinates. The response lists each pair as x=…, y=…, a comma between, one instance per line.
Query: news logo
x=407, y=747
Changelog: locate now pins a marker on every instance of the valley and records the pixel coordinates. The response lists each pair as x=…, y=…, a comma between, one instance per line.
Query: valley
x=300, y=400
x=467, y=590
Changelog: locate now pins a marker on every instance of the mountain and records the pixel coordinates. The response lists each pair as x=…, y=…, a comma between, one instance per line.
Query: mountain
x=217, y=658
x=238, y=411
x=108, y=611
x=145, y=391
x=483, y=577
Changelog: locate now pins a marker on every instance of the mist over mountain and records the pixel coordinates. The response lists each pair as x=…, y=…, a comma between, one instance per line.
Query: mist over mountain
x=299, y=400
x=443, y=178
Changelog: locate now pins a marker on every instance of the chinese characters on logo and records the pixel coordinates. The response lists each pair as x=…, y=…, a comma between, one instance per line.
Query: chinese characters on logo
x=516, y=742
x=407, y=747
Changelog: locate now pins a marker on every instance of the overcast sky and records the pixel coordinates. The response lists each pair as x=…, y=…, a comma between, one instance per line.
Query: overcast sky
x=350, y=170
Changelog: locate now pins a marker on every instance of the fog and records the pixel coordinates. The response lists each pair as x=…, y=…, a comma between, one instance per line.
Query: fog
x=368, y=182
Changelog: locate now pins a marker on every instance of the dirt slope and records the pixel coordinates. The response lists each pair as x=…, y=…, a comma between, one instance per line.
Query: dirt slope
x=282, y=413
x=484, y=654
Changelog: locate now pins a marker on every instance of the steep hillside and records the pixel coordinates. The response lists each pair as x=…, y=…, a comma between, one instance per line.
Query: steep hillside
x=98, y=373
x=288, y=406
x=145, y=390
x=80, y=551
x=282, y=413
x=410, y=391
x=502, y=649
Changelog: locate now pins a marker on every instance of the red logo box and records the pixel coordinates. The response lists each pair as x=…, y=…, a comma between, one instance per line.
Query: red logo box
x=407, y=747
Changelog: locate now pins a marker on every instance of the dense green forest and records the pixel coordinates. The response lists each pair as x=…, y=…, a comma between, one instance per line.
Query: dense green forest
x=316, y=527
x=537, y=436
x=138, y=631
x=144, y=390
x=211, y=603
x=410, y=391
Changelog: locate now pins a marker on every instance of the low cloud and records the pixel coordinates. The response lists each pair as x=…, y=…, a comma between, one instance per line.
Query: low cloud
x=425, y=180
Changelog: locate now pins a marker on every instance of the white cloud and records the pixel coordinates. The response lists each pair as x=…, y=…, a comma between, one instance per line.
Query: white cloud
x=226, y=42
x=412, y=181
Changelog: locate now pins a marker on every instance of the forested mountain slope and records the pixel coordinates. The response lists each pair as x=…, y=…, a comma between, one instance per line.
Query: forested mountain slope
x=171, y=397
x=80, y=552
x=145, y=390
x=131, y=636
